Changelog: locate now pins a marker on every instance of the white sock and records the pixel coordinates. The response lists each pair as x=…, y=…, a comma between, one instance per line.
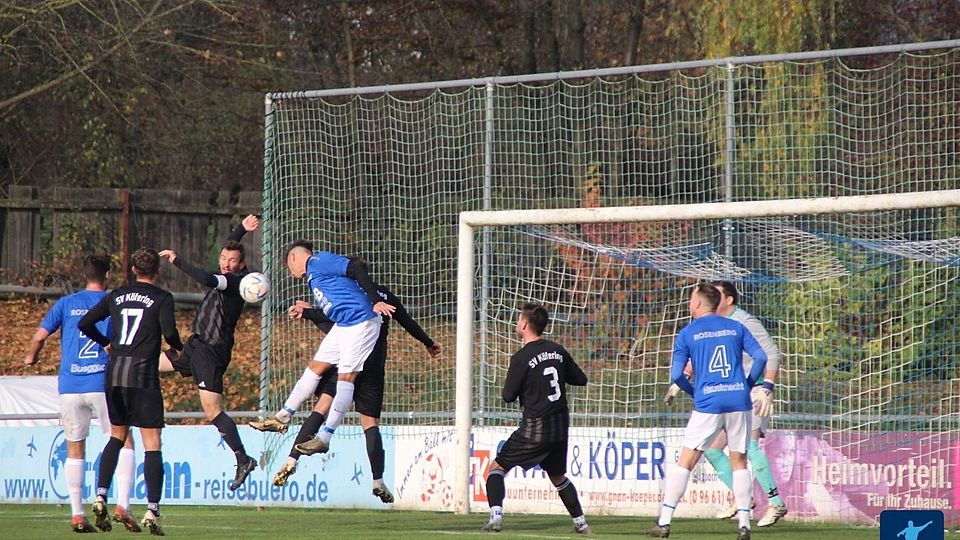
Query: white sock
x=742, y=491
x=74, y=469
x=676, y=485
x=340, y=406
x=126, y=471
x=291, y=461
x=580, y=521
x=496, y=513
x=301, y=392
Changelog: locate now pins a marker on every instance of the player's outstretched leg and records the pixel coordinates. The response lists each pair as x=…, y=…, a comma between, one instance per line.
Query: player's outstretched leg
x=496, y=491
x=307, y=431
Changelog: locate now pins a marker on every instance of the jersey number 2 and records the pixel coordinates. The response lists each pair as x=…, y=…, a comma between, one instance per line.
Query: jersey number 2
x=129, y=329
x=551, y=372
x=719, y=363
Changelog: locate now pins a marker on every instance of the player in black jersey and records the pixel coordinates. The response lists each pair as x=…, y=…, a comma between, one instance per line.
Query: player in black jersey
x=140, y=313
x=208, y=351
x=369, y=390
x=538, y=375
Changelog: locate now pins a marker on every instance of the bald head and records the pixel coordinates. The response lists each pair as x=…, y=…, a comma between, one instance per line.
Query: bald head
x=297, y=256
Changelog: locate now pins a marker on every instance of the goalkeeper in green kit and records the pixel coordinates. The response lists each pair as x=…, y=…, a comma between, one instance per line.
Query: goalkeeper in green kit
x=762, y=396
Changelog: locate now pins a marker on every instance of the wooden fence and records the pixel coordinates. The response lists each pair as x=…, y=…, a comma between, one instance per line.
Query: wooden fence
x=47, y=227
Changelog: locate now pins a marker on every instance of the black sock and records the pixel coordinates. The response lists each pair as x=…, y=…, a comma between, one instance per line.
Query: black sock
x=231, y=435
x=153, y=475
x=496, y=490
x=375, y=451
x=108, y=464
x=307, y=431
x=568, y=494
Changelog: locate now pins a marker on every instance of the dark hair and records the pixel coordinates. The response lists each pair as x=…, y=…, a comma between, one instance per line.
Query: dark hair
x=233, y=245
x=305, y=244
x=728, y=289
x=360, y=261
x=145, y=262
x=536, y=316
x=709, y=294
x=95, y=268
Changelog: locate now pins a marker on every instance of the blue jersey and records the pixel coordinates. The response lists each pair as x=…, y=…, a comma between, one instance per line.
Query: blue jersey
x=715, y=346
x=340, y=297
x=82, y=361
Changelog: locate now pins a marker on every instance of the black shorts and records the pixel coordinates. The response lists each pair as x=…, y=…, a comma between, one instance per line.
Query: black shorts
x=141, y=407
x=327, y=384
x=537, y=442
x=206, y=363
x=368, y=390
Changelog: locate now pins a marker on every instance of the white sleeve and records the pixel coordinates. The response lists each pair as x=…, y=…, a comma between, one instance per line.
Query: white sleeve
x=766, y=343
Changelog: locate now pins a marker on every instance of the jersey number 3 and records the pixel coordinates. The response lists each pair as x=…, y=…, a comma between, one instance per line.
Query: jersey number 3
x=719, y=363
x=551, y=373
x=131, y=323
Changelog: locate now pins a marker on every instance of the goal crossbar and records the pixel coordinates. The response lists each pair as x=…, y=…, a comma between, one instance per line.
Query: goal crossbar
x=746, y=209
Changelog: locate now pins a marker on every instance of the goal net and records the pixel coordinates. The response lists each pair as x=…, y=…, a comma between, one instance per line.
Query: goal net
x=861, y=305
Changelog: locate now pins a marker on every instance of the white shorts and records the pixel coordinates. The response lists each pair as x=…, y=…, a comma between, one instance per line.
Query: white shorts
x=348, y=347
x=761, y=423
x=703, y=428
x=76, y=411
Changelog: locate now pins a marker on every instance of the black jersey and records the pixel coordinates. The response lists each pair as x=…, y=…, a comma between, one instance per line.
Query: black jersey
x=538, y=375
x=222, y=305
x=140, y=313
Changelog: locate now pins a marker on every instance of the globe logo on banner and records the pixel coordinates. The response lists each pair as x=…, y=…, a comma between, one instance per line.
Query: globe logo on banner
x=57, y=465
x=911, y=525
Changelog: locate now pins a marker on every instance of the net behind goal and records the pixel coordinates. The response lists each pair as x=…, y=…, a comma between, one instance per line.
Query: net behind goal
x=861, y=304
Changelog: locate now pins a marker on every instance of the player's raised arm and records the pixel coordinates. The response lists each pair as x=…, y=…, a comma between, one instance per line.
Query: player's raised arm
x=249, y=224
x=88, y=323
x=358, y=273
x=201, y=276
x=402, y=316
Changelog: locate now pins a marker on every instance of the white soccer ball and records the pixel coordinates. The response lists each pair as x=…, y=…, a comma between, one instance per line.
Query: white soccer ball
x=254, y=287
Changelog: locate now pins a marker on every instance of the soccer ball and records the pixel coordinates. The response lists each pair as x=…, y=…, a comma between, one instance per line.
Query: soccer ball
x=254, y=287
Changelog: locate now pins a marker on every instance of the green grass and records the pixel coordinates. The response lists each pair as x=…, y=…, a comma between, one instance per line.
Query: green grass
x=236, y=523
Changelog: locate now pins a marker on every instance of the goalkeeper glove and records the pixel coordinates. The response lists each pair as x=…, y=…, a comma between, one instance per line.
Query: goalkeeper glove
x=763, y=400
x=671, y=393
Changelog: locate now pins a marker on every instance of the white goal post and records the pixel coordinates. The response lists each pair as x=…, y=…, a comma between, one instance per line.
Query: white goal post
x=466, y=272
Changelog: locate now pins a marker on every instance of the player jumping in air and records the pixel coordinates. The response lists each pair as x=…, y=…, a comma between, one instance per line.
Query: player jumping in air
x=140, y=313
x=368, y=396
x=538, y=374
x=81, y=385
x=208, y=351
x=715, y=346
x=348, y=297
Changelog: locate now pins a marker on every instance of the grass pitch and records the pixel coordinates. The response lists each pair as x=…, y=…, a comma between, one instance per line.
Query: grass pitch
x=239, y=523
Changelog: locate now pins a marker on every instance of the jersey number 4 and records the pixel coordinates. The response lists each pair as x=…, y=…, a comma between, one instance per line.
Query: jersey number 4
x=551, y=373
x=719, y=363
x=131, y=323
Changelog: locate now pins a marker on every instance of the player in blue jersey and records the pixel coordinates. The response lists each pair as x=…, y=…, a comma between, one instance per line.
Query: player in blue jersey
x=714, y=345
x=81, y=385
x=347, y=295
x=762, y=396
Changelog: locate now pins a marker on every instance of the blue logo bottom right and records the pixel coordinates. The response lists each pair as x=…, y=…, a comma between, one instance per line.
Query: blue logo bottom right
x=911, y=525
